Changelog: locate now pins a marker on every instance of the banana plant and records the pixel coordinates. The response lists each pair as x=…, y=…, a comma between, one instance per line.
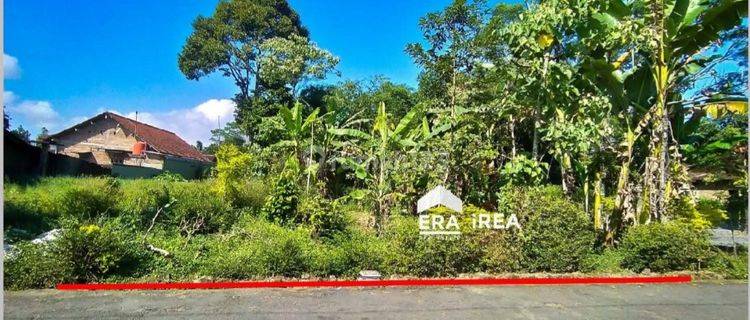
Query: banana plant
x=296, y=129
x=375, y=153
x=678, y=34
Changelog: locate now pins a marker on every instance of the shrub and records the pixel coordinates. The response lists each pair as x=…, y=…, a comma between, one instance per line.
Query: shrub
x=429, y=256
x=197, y=209
x=324, y=216
x=663, y=247
x=712, y=210
x=281, y=205
x=82, y=253
x=684, y=209
x=91, y=252
x=30, y=265
x=233, y=174
x=141, y=199
x=521, y=171
x=607, y=261
x=555, y=233
x=730, y=266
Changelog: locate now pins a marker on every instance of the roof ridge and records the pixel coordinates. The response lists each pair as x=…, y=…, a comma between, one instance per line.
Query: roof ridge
x=136, y=121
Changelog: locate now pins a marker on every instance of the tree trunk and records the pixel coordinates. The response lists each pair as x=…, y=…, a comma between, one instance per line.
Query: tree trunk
x=513, y=137
x=598, y=201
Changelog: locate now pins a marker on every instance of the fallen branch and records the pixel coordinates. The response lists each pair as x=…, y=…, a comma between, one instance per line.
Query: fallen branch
x=153, y=220
x=158, y=250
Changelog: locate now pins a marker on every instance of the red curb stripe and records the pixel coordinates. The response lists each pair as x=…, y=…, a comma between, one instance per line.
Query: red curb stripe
x=372, y=283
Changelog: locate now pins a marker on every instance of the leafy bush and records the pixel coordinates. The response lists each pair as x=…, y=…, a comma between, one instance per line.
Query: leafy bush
x=91, y=252
x=608, y=261
x=141, y=199
x=81, y=253
x=197, y=209
x=429, y=256
x=712, y=210
x=324, y=216
x=281, y=205
x=521, y=171
x=684, y=209
x=732, y=267
x=30, y=265
x=664, y=247
x=555, y=233
x=233, y=173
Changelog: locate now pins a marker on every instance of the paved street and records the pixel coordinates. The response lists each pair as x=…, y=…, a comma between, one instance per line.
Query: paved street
x=683, y=301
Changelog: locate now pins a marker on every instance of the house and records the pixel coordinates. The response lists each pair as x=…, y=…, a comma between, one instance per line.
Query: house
x=130, y=148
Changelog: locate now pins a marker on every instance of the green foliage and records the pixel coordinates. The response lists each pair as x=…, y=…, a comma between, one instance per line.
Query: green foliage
x=197, y=209
x=556, y=234
x=90, y=252
x=236, y=180
x=685, y=210
x=608, y=261
x=712, y=210
x=294, y=59
x=663, y=247
x=324, y=216
x=430, y=256
x=81, y=253
x=30, y=265
x=521, y=171
x=281, y=205
x=228, y=40
x=728, y=265
x=38, y=206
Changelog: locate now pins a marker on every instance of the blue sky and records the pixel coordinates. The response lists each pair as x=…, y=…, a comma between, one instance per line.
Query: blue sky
x=74, y=59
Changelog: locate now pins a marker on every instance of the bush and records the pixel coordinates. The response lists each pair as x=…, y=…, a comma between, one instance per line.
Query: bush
x=555, y=233
x=728, y=265
x=197, y=209
x=429, y=256
x=521, y=171
x=30, y=265
x=82, y=253
x=90, y=252
x=141, y=199
x=608, y=261
x=324, y=216
x=281, y=205
x=664, y=247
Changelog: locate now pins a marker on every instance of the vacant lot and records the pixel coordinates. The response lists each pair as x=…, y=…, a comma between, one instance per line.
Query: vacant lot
x=686, y=301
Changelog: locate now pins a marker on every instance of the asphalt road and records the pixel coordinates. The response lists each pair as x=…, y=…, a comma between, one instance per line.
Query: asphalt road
x=683, y=301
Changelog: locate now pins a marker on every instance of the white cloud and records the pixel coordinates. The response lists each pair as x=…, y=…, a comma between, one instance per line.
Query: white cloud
x=191, y=124
x=11, y=69
x=32, y=114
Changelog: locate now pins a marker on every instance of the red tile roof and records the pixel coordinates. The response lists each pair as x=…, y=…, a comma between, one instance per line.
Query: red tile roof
x=157, y=139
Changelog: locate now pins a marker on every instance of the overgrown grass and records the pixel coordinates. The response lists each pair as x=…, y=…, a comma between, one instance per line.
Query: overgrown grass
x=107, y=227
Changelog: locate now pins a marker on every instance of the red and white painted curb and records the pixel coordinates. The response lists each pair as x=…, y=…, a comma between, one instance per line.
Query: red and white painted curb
x=375, y=283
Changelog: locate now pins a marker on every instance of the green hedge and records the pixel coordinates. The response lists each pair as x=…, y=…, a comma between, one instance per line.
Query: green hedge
x=664, y=247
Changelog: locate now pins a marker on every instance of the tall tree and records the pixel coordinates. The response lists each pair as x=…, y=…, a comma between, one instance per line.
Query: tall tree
x=448, y=59
x=232, y=42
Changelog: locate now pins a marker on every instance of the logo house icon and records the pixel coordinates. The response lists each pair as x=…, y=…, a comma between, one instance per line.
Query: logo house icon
x=435, y=225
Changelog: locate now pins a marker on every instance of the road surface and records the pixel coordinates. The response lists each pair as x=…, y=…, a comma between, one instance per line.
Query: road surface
x=661, y=301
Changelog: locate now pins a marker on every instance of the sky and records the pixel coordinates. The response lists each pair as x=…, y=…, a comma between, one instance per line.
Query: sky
x=66, y=61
